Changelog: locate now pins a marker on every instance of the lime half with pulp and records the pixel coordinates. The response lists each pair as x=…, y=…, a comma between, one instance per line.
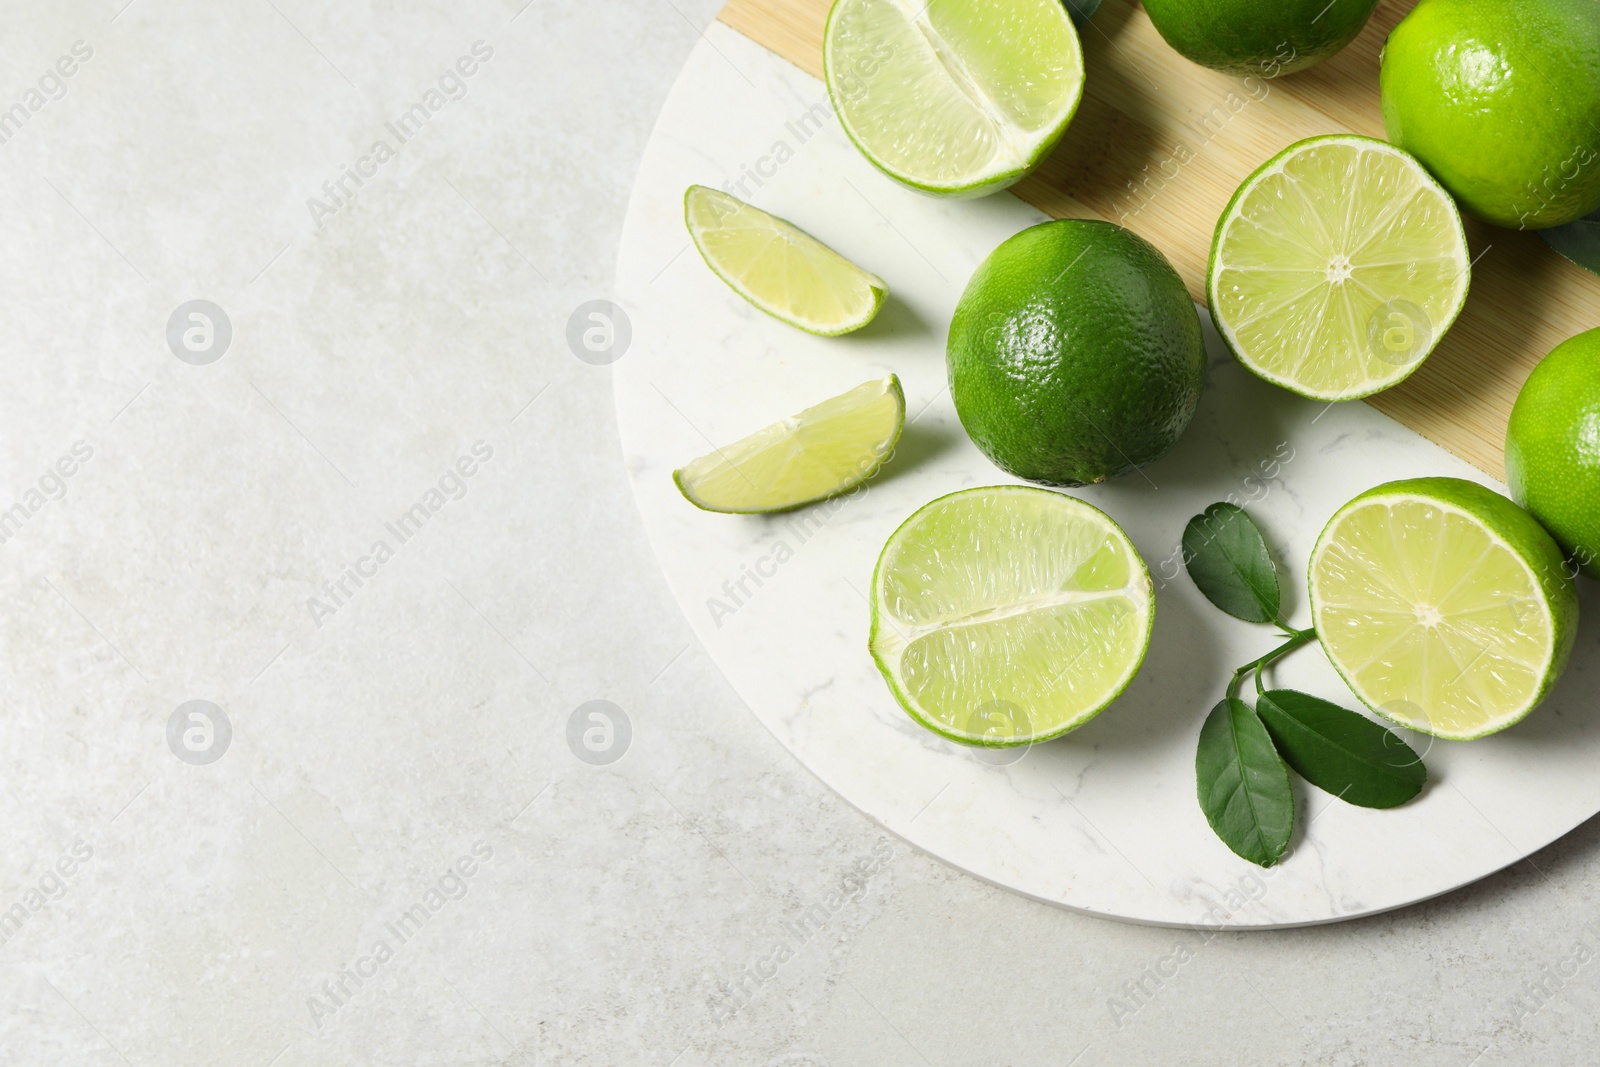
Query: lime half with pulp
x=1337, y=267
x=1009, y=615
x=953, y=97
x=1444, y=605
x=779, y=267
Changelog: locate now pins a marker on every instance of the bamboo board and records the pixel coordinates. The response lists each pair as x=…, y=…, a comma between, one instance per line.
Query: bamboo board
x=1148, y=113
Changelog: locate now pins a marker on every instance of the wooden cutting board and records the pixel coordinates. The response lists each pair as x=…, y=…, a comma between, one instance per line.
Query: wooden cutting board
x=1148, y=113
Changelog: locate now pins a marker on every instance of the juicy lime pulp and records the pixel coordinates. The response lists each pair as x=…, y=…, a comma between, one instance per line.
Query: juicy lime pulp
x=779, y=267
x=1500, y=99
x=821, y=452
x=1266, y=38
x=953, y=97
x=1009, y=615
x=1337, y=267
x=1553, y=448
x=1443, y=605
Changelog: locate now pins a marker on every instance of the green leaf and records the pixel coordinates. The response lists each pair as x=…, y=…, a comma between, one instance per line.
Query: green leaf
x=1228, y=560
x=1341, y=752
x=1244, y=786
x=1081, y=10
x=1578, y=241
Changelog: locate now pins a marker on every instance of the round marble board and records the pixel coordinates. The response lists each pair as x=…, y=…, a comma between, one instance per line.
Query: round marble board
x=1105, y=820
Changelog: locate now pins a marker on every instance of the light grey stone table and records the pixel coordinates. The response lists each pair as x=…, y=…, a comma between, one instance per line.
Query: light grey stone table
x=365, y=505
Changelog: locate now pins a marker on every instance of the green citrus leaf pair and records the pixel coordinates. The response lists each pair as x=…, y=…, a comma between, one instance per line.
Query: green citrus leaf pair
x=1243, y=759
x=1244, y=756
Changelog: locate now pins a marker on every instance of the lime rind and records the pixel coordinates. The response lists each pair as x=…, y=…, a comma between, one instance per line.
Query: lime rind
x=887, y=642
x=1455, y=265
x=749, y=476
x=1267, y=40
x=1026, y=151
x=1500, y=100
x=1549, y=593
x=1552, y=449
x=820, y=274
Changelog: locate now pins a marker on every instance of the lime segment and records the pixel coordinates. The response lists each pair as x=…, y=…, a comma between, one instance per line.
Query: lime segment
x=1009, y=615
x=954, y=97
x=779, y=267
x=1337, y=268
x=1443, y=605
x=821, y=452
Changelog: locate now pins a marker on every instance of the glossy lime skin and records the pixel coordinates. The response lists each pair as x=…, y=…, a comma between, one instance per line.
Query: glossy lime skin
x=1261, y=37
x=1500, y=99
x=1075, y=354
x=1553, y=448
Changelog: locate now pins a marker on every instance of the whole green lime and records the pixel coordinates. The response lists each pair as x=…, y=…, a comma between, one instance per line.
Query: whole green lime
x=1500, y=99
x=1075, y=354
x=1553, y=448
x=1261, y=37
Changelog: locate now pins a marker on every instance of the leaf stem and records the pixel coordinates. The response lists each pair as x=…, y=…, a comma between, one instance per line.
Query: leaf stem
x=1300, y=637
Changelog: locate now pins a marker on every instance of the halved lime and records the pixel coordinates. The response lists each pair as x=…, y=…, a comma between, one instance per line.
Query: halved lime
x=1337, y=267
x=1444, y=605
x=779, y=267
x=821, y=452
x=1009, y=615
x=953, y=97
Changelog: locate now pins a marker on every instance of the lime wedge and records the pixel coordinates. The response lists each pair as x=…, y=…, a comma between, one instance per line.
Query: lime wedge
x=1337, y=267
x=1445, y=606
x=779, y=267
x=821, y=452
x=953, y=97
x=1009, y=615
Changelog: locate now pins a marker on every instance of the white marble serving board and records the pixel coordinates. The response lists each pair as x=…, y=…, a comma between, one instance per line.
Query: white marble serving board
x=1105, y=820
